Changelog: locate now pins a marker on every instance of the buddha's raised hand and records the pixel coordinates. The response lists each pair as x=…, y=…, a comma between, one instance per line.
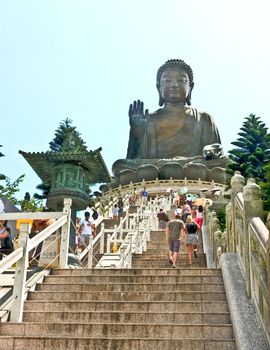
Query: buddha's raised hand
x=137, y=118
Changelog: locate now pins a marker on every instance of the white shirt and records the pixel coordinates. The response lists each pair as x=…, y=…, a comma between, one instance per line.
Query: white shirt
x=86, y=227
x=178, y=211
x=115, y=211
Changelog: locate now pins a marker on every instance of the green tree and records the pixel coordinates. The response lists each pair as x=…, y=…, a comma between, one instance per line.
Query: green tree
x=252, y=150
x=10, y=188
x=265, y=186
x=67, y=139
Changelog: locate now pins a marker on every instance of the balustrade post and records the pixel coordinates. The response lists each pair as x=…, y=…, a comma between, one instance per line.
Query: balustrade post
x=64, y=245
x=253, y=207
x=108, y=243
x=122, y=257
x=217, y=245
x=237, y=184
x=121, y=229
x=102, y=239
x=228, y=226
x=130, y=250
x=16, y=313
x=127, y=219
x=90, y=253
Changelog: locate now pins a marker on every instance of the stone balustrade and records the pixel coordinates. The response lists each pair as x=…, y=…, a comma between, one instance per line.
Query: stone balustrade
x=157, y=186
x=247, y=235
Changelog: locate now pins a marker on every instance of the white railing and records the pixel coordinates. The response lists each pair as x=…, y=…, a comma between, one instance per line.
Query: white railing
x=20, y=256
x=130, y=237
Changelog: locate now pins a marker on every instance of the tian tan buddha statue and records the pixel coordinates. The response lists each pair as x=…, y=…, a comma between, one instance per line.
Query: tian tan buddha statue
x=176, y=140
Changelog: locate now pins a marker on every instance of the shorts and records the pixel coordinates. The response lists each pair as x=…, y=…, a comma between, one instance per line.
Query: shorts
x=84, y=240
x=175, y=245
x=162, y=224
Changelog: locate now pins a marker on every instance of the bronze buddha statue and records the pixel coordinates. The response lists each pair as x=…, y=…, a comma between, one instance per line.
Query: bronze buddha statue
x=170, y=141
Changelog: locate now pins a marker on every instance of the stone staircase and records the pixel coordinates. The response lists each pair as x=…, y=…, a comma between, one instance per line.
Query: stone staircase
x=151, y=306
x=157, y=254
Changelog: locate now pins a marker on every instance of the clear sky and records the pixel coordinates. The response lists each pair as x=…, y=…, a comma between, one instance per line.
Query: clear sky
x=88, y=60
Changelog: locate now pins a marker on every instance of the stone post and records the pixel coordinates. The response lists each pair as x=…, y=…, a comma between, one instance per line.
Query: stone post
x=65, y=235
x=229, y=241
x=215, y=227
x=217, y=244
x=237, y=184
x=253, y=207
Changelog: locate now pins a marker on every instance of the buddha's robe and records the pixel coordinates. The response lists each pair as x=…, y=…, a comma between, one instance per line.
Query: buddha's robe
x=185, y=138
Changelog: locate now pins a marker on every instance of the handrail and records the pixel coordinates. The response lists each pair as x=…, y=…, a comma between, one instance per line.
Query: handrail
x=21, y=254
x=41, y=236
x=11, y=259
x=32, y=216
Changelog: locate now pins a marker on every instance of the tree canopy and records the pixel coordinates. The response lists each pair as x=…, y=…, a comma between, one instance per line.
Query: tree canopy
x=252, y=150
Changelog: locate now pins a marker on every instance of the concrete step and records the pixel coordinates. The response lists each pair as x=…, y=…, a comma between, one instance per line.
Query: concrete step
x=134, y=272
x=162, y=264
x=123, y=287
x=128, y=317
x=112, y=343
x=121, y=330
x=127, y=306
x=136, y=279
x=127, y=296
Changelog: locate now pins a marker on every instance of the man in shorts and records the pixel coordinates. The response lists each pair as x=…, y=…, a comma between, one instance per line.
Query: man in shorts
x=86, y=229
x=173, y=234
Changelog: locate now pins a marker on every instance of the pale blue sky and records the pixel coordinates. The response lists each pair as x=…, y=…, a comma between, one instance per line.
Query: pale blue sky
x=88, y=60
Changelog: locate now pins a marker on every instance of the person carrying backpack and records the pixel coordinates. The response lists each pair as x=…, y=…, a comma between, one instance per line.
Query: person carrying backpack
x=192, y=238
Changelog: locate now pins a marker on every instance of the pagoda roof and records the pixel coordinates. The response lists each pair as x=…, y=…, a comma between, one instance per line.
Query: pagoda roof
x=92, y=161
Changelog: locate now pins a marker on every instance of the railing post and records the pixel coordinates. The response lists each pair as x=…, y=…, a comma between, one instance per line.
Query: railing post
x=122, y=257
x=237, y=184
x=90, y=253
x=253, y=206
x=63, y=260
x=108, y=243
x=102, y=239
x=130, y=250
x=121, y=229
x=127, y=219
x=20, y=275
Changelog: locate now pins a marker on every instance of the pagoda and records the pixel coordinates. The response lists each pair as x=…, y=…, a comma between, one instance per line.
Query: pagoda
x=68, y=170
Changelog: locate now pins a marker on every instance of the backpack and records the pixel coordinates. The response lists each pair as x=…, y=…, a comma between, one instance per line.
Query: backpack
x=95, y=214
x=191, y=227
x=9, y=243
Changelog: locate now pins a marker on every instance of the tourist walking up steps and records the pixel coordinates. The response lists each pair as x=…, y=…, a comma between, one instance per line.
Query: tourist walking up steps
x=174, y=234
x=192, y=238
x=162, y=219
x=199, y=216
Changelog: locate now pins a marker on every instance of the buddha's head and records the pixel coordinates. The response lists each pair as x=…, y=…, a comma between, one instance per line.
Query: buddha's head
x=175, y=82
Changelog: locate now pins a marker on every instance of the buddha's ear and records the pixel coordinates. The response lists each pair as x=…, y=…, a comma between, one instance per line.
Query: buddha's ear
x=188, y=99
x=161, y=100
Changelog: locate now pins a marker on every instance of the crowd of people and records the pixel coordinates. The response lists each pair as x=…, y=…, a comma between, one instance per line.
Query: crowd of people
x=182, y=229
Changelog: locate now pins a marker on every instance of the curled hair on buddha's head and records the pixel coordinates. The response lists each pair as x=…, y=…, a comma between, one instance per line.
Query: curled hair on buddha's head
x=175, y=64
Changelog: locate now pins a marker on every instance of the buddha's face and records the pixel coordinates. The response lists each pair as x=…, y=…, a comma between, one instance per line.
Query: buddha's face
x=174, y=86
